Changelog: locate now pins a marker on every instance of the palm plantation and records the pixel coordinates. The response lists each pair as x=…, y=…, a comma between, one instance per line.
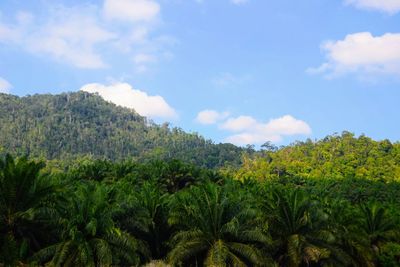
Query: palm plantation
x=25, y=203
x=215, y=229
x=101, y=213
x=377, y=228
x=144, y=215
x=88, y=234
x=299, y=228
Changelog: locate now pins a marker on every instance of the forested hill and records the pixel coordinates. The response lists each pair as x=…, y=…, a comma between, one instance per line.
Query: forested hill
x=335, y=157
x=71, y=125
x=76, y=124
x=328, y=202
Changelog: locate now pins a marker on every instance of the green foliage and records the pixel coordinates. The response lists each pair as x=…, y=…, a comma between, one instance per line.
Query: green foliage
x=377, y=226
x=25, y=201
x=334, y=157
x=332, y=202
x=299, y=227
x=88, y=234
x=215, y=228
x=144, y=214
x=119, y=190
x=390, y=255
x=70, y=125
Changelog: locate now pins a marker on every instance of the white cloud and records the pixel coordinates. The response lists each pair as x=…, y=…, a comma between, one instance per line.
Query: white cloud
x=361, y=53
x=388, y=6
x=5, y=86
x=248, y=138
x=124, y=95
x=239, y=2
x=65, y=39
x=210, y=116
x=131, y=10
x=247, y=130
x=70, y=35
x=84, y=35
x=240, y=123
x=287, y=125
x=251, y=131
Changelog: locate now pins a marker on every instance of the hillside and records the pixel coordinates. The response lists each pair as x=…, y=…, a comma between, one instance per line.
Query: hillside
x=333, y=157
x=75, y=124
x=323, y=194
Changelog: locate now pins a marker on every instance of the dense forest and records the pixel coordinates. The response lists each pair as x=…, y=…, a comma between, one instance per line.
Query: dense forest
x=331, y=202
x=71, y=125
x=86, y=183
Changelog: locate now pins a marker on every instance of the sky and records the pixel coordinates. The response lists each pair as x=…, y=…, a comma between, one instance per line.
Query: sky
x=238, y=71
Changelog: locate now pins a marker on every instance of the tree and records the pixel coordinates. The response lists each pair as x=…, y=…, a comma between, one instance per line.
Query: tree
x=25, y=202
x=144, y=214
x=89, y=236
x=350, y=243
x=298, y=227
x=376, y=226
x=215, y=228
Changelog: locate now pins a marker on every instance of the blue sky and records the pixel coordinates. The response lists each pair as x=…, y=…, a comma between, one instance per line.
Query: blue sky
x=233, y=70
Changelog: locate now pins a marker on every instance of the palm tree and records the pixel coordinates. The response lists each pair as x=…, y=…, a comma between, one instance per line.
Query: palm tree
x=89, y=236
x=214, y=228
x=144, y=215
x=376, y=226
x=350, y=244
x=298, y=228
x=25, y=202
x=362, y=232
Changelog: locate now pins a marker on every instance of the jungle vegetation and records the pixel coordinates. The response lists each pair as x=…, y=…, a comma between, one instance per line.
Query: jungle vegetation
x=325, y=203
x=72, y=125
x=97, y=185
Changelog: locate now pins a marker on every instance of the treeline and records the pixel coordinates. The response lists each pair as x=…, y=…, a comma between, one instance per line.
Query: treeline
x=170, y=213
x=333, y=157
x=72, y=125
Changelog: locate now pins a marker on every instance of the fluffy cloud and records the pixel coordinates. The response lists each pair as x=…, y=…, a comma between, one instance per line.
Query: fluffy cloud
x=124, y=95
x=388, y=6
x=62, y=37
x=210, y=116
x=131, y=10
x=361, y=53
x=240, y=123
x=250, y=131
x=5, y=86
x=247, y=130
x=84, y=34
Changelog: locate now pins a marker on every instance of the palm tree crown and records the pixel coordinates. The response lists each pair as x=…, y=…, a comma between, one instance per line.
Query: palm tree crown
x=298, y=227
x=25, y=194
x=89, y=236
x=214, y=229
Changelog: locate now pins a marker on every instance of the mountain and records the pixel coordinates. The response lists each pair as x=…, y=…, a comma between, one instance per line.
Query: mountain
x=69, y=125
